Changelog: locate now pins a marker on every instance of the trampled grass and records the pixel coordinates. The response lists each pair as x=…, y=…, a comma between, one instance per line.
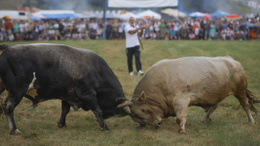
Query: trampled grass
x=229, y=125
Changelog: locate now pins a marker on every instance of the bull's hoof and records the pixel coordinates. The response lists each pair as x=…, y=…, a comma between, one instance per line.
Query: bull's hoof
x=35, y=105
x=104, y=129
x=15, y=132
x=252, y=122
x=141, y=126
x=60, y=125
x=206, y=120
x=183, y=133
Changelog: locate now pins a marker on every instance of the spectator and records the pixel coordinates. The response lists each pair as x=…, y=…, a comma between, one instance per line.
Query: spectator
x=156, y=28
x=121, y=27
x=2, y=32
x=162, y=28
x=108, y=30
x=168, y=30
x=207, y=29
x=36, y=30
x=15, y=28
x=212, y=32
x=176, y=27
x=92, y=33
x=100, y=32
x=115, y=30
x=62, y=29
x=30, y=27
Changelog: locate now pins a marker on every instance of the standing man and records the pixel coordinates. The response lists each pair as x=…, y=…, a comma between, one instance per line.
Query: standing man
x=132, y=45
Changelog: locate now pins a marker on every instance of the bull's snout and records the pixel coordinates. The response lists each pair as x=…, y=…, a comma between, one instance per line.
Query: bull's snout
x=158, y=122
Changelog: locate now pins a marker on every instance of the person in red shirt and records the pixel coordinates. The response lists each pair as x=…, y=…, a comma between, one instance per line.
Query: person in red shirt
x=9, y=27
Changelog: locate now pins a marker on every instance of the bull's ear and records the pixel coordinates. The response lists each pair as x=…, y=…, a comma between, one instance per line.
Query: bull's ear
x=142, y=96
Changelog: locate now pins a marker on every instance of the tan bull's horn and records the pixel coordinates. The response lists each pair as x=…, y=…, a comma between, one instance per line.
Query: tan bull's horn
x=127, y=109
x=126, y=103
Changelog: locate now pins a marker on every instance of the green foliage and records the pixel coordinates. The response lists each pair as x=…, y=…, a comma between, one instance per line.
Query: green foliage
x=229, y=125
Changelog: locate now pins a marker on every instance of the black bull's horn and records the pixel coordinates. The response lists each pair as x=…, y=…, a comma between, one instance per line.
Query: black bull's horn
x=125, y=105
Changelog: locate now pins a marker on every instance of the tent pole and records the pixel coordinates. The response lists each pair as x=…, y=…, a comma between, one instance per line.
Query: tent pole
x=178, y=20
x=105, y=18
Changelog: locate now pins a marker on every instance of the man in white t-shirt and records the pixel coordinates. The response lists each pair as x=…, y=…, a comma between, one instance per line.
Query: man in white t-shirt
x=132, y=45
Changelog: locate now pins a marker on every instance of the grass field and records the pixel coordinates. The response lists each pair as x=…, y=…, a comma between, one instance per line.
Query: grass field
x=229, y=125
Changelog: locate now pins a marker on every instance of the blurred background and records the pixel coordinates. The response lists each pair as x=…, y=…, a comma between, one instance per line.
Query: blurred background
x=84, y=19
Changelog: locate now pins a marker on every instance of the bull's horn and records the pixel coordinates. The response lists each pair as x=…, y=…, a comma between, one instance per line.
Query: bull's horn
x=124, y=104
x=127, y=109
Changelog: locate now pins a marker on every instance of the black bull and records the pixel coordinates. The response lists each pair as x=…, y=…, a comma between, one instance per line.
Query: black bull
x=78, y=77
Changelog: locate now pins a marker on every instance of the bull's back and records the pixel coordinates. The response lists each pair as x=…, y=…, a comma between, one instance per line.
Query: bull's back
x=202, y=78
x=57, y=68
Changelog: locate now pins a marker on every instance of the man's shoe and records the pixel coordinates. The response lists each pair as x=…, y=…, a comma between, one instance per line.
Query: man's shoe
x=140, y=73
x=131, y=74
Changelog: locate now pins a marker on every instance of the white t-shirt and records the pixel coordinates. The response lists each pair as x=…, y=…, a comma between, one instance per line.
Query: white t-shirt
x=21, y=26
x=94, y=25
x=99, y=31
x=120, y=29
x=131, y=39
x=56, y=25
x=156, y=26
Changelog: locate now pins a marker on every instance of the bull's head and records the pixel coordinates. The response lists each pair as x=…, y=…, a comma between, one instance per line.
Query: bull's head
x=123, y=106
x=146, y=111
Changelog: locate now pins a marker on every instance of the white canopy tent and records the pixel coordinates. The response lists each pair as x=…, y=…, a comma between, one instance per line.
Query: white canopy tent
x=17, y=15
x=197, y=14
x=55, y=14
x=127, y=15
x=38, y=15
x=150, y=14
x=142, y=3
x=174, y=12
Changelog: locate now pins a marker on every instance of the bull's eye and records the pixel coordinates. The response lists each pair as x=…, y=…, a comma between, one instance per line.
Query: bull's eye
x=142, y=110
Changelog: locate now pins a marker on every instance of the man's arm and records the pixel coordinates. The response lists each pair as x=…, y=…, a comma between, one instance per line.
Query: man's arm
x=140, y=28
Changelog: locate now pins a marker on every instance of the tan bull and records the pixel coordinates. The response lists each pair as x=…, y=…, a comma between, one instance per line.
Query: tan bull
x=169, y=87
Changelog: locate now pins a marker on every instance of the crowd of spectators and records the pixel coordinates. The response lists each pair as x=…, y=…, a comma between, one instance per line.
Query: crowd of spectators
x=81, y=29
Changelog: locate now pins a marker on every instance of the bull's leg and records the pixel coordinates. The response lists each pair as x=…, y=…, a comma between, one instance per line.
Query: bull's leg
x=244, y=103
x=209, y=113
x=10, y=103
x=65, y=107
x=34, y=101
x=181, y=109
x=98, y=113
x=92, y=103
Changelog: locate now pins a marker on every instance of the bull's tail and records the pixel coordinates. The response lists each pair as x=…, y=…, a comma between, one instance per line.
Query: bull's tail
x=251, y=100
